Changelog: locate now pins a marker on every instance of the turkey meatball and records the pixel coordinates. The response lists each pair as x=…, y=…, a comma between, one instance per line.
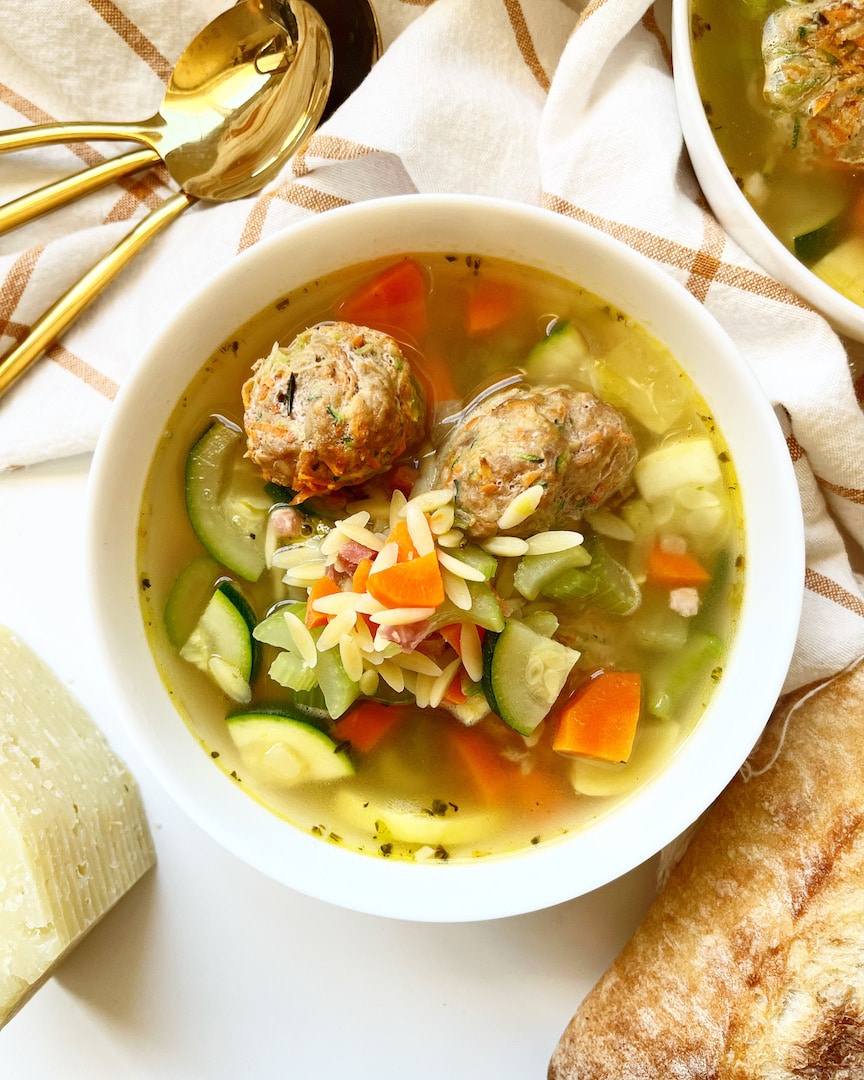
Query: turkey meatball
x=579, y=449
x=332, y=409
x=814, y=73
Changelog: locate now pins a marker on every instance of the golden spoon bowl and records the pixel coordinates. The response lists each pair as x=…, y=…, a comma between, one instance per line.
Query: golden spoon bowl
x=244, y=96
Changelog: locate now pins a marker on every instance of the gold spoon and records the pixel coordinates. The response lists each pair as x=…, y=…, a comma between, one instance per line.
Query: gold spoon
x=255, y=66
x=356, y=41
x=245, y=95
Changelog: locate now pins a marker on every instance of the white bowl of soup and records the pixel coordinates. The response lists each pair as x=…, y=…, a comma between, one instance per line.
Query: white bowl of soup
x=770, y=106
x=435, y=555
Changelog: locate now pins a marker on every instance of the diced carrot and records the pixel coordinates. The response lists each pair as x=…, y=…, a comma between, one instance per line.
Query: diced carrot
x=414, y=584
x=858, y=213
x=454, y=694
x=599, y=721
x=437, y=373
x=491, y=775
x=400, y=536
x=540, y=790
x=395, y=299
x=401, y=477
x=361, y=575
x=452, y=634
x=324, y=586
x=366, y=725
x=674, y=569
x=489, y=306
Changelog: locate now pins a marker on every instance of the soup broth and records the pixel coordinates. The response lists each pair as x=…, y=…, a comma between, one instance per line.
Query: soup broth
x=789, y=140
x=406, y=775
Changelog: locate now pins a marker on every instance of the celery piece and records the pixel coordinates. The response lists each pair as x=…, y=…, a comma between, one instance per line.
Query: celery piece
x=477, y=558
x=616, y=591
x=339, y=691
x=536, y=571
x=289, y=671
x=715, y=591
x=274, y=630
x=485, y=610
x=573, y=584
x=669, y=684
x=609, y=585
x=662, y=629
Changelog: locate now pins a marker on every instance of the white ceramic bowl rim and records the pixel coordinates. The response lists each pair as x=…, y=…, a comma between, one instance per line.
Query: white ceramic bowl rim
x=730, y=205
x=755, y=669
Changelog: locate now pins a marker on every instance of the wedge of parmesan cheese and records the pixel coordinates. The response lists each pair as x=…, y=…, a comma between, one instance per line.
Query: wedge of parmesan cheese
x=73, y=835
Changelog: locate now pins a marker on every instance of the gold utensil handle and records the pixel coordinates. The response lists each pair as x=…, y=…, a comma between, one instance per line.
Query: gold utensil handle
x=43, y=134
x=53, y=196
x=45, y=331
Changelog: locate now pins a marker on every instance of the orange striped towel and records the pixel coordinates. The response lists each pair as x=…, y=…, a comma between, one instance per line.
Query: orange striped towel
x=567, y=104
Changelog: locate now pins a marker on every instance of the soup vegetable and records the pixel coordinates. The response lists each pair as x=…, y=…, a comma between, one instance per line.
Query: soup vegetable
x=783, y=88
x=448, y=570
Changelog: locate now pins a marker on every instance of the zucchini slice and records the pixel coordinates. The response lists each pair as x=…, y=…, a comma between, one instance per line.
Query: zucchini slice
x=221, y=644
x=226, y=502
x=843, y=269
x=188, y=597
x=408, y=822
x=283, y=751
x=490, y=640
x=558, y=357
x=811, y=246
x=528, y=673
x=813, y=210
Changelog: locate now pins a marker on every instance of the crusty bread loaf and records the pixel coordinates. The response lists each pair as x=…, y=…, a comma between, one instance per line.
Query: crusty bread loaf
x=750, y=963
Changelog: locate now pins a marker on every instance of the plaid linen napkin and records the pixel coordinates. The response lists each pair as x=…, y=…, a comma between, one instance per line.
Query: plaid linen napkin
x=566, y=104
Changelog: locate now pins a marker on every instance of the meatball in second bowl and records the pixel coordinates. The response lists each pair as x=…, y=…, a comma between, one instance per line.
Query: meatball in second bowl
x=332, y=409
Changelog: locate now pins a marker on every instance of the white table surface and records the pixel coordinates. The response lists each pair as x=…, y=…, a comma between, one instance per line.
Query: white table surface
x=208, y=970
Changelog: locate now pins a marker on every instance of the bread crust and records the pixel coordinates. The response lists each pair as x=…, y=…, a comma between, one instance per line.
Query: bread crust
x=750, y=963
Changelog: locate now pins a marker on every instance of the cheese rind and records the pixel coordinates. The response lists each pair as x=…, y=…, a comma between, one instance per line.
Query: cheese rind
x=73, y=834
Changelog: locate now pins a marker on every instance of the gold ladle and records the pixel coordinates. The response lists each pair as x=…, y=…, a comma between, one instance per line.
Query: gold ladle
x=244, y=96
x=259, y=73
